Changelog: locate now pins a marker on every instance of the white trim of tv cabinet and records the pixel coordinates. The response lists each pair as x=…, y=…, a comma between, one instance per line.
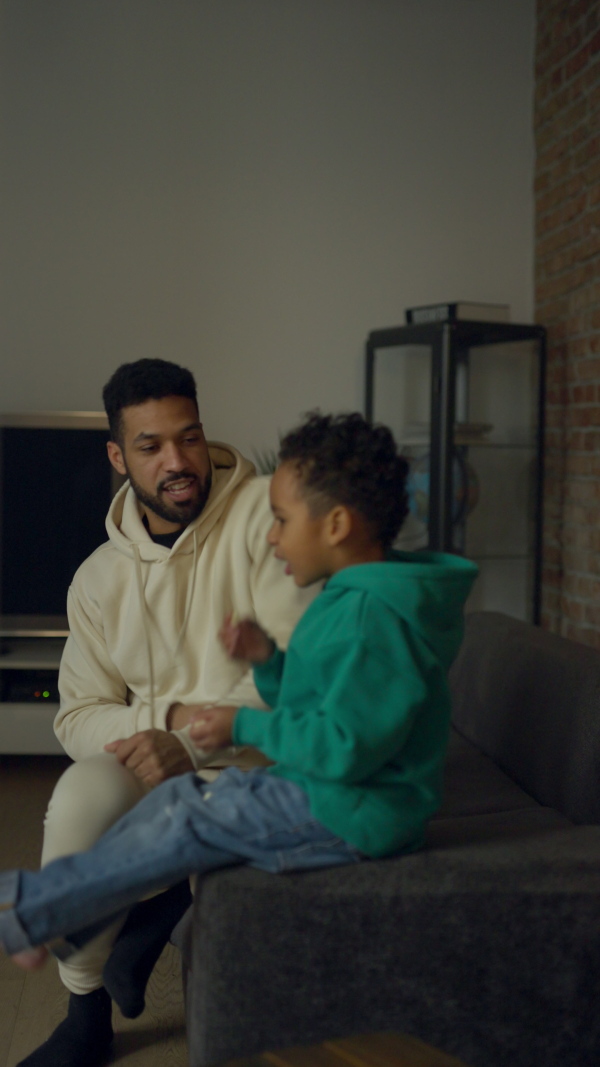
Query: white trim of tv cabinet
x=27, y=730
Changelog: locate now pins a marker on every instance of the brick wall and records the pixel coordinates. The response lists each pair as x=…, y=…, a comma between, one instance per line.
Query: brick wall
x=567, y=195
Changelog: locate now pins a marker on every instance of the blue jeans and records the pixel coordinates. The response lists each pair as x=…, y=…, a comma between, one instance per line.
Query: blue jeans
x=183, y=826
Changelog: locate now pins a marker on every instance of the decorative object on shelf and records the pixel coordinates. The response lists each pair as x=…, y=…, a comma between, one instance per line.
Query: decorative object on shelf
x=465, y=488
x=468, y=433
x=458, y=310
x=464, y=401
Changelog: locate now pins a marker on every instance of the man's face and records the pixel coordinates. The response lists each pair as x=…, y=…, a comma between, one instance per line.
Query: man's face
x=165, y=456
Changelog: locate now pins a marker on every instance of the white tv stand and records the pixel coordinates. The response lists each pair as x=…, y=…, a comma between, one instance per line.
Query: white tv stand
x=26, y=728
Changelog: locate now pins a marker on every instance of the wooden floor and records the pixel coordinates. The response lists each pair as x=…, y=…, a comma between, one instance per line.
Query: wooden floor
x=365, y=1050
x=32, y=1005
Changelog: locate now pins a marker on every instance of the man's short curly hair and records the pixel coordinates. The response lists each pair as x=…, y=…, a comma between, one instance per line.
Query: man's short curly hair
x=146, y=379
x=343, y=459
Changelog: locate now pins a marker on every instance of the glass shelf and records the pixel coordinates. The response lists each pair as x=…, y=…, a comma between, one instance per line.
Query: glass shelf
x=464, y=401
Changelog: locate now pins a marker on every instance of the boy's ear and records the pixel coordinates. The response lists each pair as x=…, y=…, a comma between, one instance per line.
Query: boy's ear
x=338, y=524
x=115, y=456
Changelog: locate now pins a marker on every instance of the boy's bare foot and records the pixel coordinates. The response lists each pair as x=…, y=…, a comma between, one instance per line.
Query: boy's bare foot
x=31, y=959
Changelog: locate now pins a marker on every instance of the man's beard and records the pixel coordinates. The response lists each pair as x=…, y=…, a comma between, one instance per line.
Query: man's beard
x=180, y=514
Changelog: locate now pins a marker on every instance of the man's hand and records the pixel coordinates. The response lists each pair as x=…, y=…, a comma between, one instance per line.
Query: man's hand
x=246, y=640
x=212, y=727
x=152, y=755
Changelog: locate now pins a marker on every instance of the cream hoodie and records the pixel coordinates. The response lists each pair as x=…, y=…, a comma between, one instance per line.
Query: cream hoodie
x=144, y=619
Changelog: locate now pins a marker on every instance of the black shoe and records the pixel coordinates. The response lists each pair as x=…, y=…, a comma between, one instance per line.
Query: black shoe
x=83, y=1039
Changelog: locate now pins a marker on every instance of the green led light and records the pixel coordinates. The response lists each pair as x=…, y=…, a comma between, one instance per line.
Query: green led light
x=45, y=693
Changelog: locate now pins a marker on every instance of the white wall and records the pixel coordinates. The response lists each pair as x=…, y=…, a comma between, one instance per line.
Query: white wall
x=249, y=186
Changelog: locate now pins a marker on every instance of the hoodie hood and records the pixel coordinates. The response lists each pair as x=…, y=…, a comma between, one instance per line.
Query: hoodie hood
x=126, y=529
x=425, y=589
x=128, y=534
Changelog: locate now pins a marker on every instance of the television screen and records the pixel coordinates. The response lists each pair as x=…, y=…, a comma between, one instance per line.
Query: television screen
x=55, y=490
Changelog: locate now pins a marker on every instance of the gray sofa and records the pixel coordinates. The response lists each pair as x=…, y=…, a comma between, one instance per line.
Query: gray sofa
x=485, y=944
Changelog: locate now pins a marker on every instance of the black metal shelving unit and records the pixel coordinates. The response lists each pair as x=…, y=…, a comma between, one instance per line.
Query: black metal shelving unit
x=465, y=400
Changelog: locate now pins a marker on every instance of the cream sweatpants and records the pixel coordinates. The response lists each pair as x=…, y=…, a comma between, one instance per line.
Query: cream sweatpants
x=89, y=797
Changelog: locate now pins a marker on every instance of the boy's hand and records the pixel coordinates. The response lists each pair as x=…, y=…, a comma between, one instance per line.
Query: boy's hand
x=211, y=727
x=246, y=640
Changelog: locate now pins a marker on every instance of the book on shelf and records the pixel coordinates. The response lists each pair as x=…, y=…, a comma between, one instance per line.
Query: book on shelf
x=458, y=310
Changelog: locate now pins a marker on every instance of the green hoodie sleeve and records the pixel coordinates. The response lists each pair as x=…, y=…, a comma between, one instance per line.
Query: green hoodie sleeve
x=373, y=689
x=267, y=677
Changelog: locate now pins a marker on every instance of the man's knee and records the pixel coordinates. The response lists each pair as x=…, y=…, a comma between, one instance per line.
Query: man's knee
x=89, y=797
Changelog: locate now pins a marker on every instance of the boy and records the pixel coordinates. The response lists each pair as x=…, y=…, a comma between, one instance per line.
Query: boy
x=360, y=717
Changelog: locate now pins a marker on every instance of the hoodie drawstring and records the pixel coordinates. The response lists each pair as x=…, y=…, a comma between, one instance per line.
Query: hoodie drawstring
x=140, y=586
x=233, y=750
x=189, y=598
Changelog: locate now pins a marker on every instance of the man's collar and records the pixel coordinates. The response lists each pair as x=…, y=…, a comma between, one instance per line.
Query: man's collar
x=168, y=539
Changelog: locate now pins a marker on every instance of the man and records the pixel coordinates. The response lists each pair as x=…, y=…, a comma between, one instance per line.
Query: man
x=187, y=546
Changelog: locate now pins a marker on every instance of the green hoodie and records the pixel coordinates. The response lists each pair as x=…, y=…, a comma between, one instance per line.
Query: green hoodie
x=361, y=702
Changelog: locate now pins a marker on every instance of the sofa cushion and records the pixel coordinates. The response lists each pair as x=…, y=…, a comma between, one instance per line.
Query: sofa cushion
x=496, y=830
x=473, y=784
x=531, y=701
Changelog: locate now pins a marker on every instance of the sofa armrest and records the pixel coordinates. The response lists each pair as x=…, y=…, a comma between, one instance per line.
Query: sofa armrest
x=531, y=701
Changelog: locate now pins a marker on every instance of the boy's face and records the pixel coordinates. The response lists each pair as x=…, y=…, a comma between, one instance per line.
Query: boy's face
x=297, y=537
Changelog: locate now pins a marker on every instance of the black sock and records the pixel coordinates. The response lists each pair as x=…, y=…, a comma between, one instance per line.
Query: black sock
x=84, y=1037
x=140, y=943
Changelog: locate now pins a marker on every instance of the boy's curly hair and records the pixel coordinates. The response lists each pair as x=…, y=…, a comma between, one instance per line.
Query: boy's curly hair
x=146, y=379
x=343, y=459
